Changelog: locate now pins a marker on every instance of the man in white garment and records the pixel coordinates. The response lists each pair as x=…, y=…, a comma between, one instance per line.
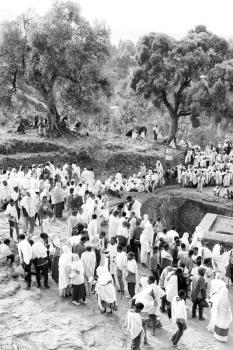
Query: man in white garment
x=133, y=206
x=39, y=253
x=13, y=218
x=92, y=227
x=88, y=259
x=29, y=210
x=113, y=224
x=25, y=255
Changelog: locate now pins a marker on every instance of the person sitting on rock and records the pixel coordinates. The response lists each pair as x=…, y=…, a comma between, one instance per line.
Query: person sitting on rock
x=78, y=124
x=21, y=127
x=227, y=195
x=5, y=252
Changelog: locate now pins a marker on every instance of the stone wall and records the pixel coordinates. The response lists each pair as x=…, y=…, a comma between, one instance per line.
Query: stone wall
x=184, y=212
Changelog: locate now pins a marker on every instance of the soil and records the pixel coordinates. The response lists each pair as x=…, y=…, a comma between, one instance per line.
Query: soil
x=106, y=153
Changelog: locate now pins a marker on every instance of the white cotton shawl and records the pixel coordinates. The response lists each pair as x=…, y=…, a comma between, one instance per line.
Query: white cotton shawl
x=64, y=267
x=178, y=309
x=39, y=250
x=25, y=251
x=132, y=266
x=224, y=314
x=134, y=323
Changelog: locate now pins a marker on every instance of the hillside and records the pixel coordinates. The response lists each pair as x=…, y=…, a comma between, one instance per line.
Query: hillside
x=106, y=153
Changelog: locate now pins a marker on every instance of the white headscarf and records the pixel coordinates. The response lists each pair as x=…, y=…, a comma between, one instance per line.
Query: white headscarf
x=65, y=258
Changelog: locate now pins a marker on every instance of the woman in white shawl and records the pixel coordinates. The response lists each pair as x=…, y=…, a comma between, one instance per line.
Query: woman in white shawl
x=145, y=249
x=105, y=291
x=224, y=316
x=77, y=280
x=220, y=259
x=57, y=197
x=217, y=284
x=171, y=287
x=185, y=240
x=64, y=271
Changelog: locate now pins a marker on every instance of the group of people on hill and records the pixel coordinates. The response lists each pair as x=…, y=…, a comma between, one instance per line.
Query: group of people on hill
x=102, y=248
x=212, y=166
x=146, y=180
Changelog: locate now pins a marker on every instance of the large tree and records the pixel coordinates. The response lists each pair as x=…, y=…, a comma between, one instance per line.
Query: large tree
x=58, y=54
x=175, y=73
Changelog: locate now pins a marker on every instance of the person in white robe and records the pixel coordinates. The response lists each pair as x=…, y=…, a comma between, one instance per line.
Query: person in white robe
x=92, y=227
x=224, y=316
x=134, y=206
x=88, y=259
x=217, y=284
x=220, y=259
x=134, y=326
x=179, y=316
x=64, y=271
x=145, y=249
x=105, y=290
x=113, y=225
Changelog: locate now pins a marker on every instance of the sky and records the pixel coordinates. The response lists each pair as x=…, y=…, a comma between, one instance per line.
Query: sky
x=130, y=19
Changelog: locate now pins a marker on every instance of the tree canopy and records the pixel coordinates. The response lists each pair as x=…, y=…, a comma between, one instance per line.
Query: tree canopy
x=175, y=73
x=59, y=53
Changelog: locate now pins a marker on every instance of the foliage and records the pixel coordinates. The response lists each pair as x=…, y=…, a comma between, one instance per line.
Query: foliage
x=59, y=54
x=172, y=73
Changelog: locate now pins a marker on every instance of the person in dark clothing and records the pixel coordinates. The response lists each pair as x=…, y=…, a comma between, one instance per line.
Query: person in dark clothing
x=155, y=263
x=181, y=280
x=175, y=251
x=80, y=248
x=198, y=293
x=135, y=245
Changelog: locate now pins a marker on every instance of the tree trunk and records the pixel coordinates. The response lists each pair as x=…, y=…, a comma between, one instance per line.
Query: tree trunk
x=173, y=129
x=53, y=125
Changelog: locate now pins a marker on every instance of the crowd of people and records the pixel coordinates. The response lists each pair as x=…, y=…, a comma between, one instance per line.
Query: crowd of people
x=211, y=166
x=103, y=249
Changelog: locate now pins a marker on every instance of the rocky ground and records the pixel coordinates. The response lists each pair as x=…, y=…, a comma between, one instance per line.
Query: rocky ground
x=41, y=320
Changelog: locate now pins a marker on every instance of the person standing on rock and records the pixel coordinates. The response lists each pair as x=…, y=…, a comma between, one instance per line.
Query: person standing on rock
x=25, y=255
x=39, y=253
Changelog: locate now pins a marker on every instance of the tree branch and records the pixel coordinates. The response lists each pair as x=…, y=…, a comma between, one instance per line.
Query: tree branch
x=71, y=79
x=166, y=102
x=184, y=113
x=178, y=94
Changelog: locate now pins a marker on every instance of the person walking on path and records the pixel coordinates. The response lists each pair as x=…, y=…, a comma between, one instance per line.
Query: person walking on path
x=179, y=316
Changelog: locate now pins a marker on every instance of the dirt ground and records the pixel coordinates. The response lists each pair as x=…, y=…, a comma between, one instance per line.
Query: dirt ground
x=41, y=320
